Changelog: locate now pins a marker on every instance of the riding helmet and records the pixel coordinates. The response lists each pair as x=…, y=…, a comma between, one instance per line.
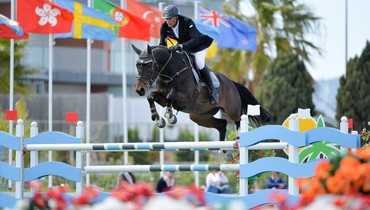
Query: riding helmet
x=170, y=11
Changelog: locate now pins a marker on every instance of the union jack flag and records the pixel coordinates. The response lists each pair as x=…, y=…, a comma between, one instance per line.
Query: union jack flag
x=233, y=33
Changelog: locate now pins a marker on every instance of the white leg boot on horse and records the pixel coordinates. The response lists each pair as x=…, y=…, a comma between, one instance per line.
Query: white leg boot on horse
x=205, y=73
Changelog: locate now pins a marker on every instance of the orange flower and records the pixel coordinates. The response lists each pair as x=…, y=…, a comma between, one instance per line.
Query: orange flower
x=317, y=187
x=322, y=170
x=365, y=171
x=304, y=183
x=349, y=162
x=334, y=185
x=363, y=153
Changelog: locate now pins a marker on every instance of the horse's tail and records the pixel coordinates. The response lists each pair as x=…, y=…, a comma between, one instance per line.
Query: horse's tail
x=247, y=98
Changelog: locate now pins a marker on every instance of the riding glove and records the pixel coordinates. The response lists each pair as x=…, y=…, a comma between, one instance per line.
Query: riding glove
x=176, y=48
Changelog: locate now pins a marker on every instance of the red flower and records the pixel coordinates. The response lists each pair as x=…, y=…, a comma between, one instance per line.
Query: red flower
x=39, y=200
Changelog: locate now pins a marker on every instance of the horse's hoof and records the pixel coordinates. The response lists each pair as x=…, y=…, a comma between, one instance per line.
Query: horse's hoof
x=172, y=120
x=161, y=123
x=227, y=155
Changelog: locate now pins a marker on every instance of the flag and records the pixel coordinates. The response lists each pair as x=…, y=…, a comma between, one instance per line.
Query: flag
x=88, y=23
x=71, y=116
x=43, y=17
x=152, y=14
x=10, y=29
x=234, y=33
x=126, y=24
x=253, y=110
x=11, y=115
x=350, y=123
x=212, y=32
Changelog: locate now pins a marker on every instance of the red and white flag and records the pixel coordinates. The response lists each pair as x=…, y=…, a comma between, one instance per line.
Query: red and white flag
x=152, y=14
x=43, y=17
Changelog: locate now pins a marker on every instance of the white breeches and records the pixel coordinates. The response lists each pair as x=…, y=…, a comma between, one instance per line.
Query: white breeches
x=200, y=58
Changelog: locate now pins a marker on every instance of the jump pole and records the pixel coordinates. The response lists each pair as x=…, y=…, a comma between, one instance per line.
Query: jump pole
x=160, y=168
x=168, y=146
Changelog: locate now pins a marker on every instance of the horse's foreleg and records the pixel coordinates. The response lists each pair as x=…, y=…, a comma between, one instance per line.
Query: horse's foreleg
x=154, y=114
x=171, y=118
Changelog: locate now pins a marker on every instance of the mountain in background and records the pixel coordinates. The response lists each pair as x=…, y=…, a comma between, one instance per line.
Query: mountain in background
x=324, y=99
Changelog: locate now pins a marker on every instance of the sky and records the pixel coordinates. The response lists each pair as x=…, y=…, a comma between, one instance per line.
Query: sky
x=331, y=39
x=332, y=62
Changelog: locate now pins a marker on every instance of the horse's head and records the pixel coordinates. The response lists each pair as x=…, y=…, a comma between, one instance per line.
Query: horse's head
x=145, y=67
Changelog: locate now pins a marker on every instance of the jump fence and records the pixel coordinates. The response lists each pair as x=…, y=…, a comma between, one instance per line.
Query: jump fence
x=290, y=139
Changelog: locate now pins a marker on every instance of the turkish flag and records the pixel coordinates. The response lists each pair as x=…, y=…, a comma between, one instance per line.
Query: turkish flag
x=152, y=14
x=43, y=17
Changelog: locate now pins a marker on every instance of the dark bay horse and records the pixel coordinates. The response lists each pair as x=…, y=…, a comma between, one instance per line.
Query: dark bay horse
x=177, y=88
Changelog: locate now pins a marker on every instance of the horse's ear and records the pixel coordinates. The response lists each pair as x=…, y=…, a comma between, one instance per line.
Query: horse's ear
x=149, y=50
x=137, y=50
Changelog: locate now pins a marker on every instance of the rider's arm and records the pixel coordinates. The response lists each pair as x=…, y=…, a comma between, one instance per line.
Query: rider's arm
x=163, y=33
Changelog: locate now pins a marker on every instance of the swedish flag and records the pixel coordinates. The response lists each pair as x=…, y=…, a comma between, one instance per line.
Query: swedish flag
x=88, y=23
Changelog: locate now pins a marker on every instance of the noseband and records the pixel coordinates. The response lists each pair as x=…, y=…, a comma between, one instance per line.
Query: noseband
x=153, y=62
x=166, y=78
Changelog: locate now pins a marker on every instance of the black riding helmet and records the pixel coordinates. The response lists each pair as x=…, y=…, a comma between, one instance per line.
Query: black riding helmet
x=170, y=11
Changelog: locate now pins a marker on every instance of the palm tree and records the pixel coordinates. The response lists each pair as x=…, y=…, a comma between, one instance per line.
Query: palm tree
x=20, y=71
x=281, y=26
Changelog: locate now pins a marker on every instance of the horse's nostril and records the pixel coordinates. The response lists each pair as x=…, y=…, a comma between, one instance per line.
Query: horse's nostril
x=140, y=91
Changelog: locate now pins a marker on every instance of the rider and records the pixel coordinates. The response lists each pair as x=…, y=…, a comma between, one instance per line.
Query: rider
x=189, y=39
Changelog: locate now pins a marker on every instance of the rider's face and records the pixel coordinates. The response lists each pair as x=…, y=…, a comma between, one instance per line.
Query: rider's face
x=171, y=22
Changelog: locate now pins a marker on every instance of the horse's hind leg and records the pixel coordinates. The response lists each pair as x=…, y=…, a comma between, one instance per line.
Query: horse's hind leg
x=209, y=121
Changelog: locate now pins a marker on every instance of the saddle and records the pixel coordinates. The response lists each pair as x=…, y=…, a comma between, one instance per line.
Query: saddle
x=196, y=71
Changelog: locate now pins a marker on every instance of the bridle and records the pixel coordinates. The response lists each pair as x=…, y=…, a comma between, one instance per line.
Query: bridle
x=166, y=78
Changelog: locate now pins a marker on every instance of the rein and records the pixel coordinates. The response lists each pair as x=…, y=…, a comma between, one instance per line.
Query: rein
x=171, y=78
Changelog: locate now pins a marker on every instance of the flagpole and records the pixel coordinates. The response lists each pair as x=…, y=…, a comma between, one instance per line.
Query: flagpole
x=88, y=97
x=11, y=89
x=50, y=100
x=346, y=36
x=196, y=126
x=124, y=91
x=161, y=131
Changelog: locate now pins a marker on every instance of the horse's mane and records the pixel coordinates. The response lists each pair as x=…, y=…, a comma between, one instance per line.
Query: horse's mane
x=159, y=46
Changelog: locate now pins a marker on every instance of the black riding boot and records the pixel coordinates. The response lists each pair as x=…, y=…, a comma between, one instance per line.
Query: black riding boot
x=207, y=78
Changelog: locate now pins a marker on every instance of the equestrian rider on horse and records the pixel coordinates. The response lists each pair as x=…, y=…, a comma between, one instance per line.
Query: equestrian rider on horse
x=189, y=39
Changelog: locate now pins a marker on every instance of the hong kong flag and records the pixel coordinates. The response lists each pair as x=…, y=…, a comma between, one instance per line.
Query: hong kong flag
x=43, y=17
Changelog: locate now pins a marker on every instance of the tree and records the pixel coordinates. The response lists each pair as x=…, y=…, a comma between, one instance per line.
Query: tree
x=353, y=98
x=20, y=71
x=281, y=26
x=285, y=87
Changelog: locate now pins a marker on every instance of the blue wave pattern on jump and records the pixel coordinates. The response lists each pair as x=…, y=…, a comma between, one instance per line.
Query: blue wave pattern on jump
x=7, y=201
x=52, y=168
x=251, y=200
x=9, y=172
x=282, y=165
x=53, y=138
x=42, y=169
x=269, y=132
x=334, y=136
x=10, y=141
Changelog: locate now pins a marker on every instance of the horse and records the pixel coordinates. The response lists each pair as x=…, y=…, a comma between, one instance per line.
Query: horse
x=177, y=88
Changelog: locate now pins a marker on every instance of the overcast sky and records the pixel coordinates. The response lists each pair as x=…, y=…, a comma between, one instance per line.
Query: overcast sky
x=332, y=63
x=332, y=37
